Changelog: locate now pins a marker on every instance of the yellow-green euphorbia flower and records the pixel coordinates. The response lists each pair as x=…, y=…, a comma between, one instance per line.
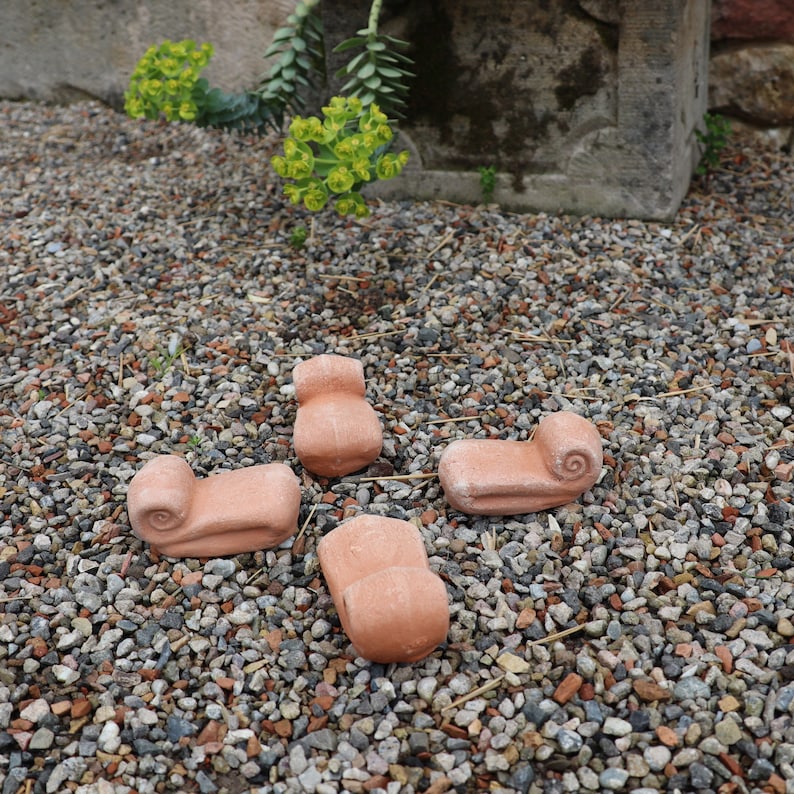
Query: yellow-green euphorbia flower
x=352, y=204
x=390, y=165
x=341, y=179
x=188, y=111
x=315, y=196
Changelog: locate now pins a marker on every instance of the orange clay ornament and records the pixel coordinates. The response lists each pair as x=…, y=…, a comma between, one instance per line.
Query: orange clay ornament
x=336, y=430
x=391, y=605
x=227, y=513
x=496, y=477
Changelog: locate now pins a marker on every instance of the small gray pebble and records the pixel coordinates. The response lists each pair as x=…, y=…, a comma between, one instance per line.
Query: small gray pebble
x=569, y=742
x=691, y=687
x=613, y=779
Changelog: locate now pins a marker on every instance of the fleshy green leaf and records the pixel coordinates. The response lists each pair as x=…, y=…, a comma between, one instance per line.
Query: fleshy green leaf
x=352, y=65
x=349, y=44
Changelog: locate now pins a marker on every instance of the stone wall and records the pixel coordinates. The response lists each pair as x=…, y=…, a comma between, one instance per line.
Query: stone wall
x=752, y=63
x=73, y=49
x=65, y=50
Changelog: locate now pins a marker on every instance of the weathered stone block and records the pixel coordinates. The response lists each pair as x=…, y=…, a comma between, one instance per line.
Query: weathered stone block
x=79, y=49
x=587, y=107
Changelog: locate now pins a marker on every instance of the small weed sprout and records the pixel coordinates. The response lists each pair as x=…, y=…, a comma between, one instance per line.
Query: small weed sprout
x=163, y=360
x=713, y=139
x=298, y=237
x=487, y=182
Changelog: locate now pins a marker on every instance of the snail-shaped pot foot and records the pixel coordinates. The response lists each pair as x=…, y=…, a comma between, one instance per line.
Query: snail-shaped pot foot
x=336, y=430
x=495, y=477
x=227, y=513
x=391, y=605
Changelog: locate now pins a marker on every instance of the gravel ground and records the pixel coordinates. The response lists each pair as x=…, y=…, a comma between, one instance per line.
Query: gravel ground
x=638, y=640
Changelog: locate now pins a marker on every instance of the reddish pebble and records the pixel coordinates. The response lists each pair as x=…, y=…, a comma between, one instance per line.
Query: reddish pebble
x=667, y=736
x=317, y=723
x=81, y=708
x=725, y=656
x=253, y=747
x=526, y=617
x=22, y=738
x=376, y=782
x=210, y=733
x=650, y=691
x=732, y=764
x=323, y=701
x=61, y=708
x=784, y=472
x=586, y=691
x=454, y=731
x=283, y=728
x=568, y=687
x=776, y=783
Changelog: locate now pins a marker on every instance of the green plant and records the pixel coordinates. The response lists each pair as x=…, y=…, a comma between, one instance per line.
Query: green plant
x=487, y=182
x=378, y=74
x=163, y=360
x=300, y=49
x=335, y=156
x=713, y=139
x=298, y=237
x=194, y=441
x=332, y=157
x=166, y=82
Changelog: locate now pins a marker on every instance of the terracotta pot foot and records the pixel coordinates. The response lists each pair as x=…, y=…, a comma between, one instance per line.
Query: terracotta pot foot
x=336, y=430
x=391, y=605
x=494, y=477
x=227, y=513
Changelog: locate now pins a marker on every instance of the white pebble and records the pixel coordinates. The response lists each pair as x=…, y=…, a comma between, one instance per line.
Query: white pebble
x=614, y=726
x=109, y=739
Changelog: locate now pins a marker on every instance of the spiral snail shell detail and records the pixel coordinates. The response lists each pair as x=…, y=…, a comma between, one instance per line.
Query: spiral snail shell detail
x=570, y=447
